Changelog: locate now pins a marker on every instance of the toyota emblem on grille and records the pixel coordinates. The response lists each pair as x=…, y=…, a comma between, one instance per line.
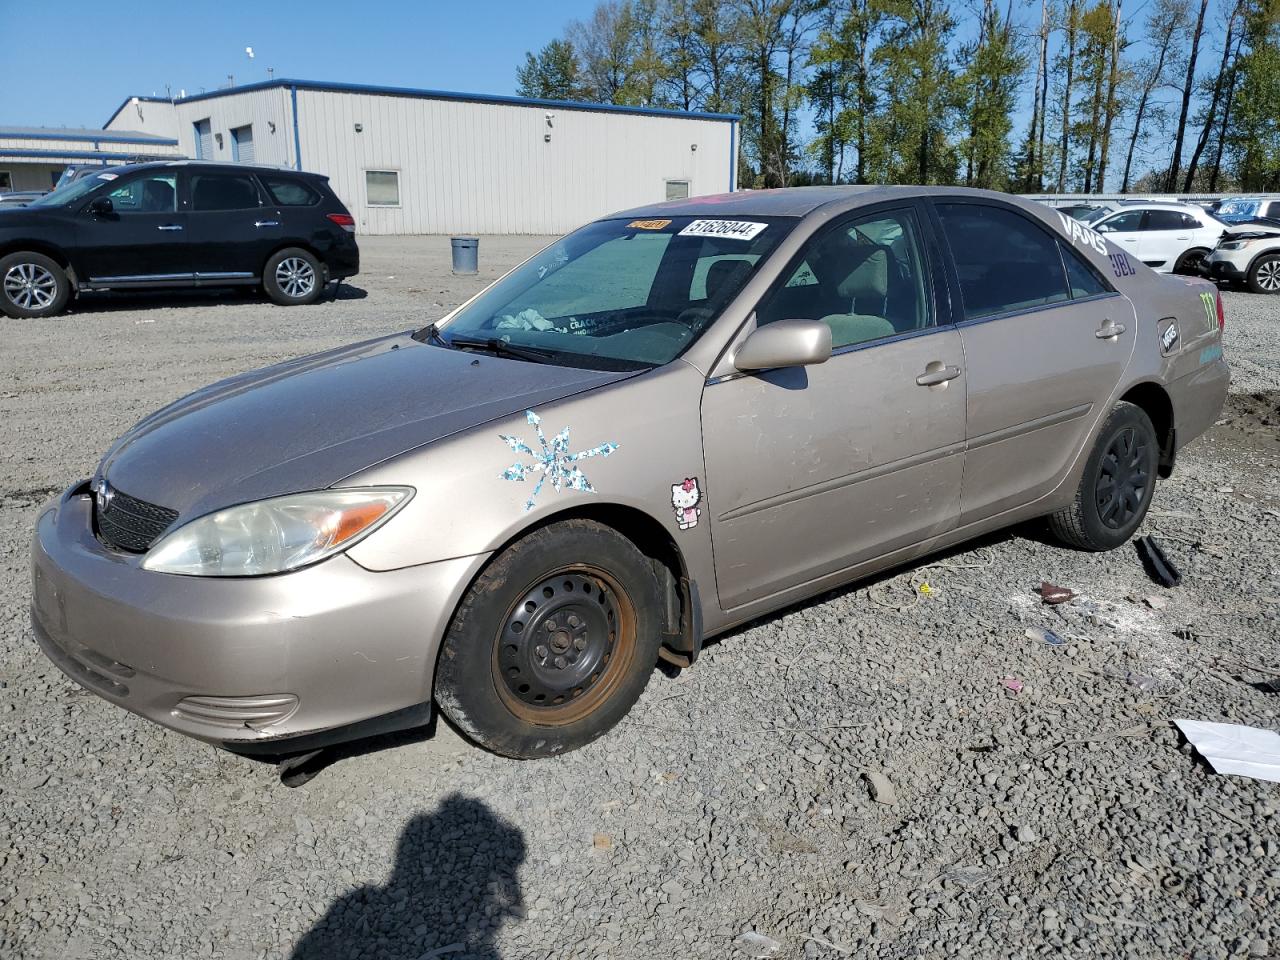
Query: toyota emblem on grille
x=105, y=496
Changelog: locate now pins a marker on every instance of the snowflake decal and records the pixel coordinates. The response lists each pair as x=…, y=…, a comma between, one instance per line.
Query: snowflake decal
x=553, y=462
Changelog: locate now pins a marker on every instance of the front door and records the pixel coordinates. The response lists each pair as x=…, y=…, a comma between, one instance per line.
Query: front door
x=816, y=469
x=1045, y=340
x=143, y=238
x=232, y=231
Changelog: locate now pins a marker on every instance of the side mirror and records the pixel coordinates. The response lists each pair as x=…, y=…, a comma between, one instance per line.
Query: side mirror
x=102, y=205
x=785, y=343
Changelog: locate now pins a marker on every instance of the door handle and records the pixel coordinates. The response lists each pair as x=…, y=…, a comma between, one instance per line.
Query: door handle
x=1109, y=330
x=266, y=223
x=1130, y=239
x=169, y=226
x=937, y=374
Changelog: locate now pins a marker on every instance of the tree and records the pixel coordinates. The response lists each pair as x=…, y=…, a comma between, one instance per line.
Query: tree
x=1216, y=93
x=1110, y=106
x=1188, y=86
x=1033, y=152
x=1167, y=20
x=830, y=91
x=993, y=75
x=1255, y=136
x=1065, y=63
x=551, y=74
x=1095, y=30
x=604, y=43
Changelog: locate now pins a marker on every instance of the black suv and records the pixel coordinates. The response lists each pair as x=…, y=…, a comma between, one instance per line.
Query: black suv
x=176, y=224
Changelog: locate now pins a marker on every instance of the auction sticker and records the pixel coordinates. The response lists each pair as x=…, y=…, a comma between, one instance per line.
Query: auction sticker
x=732, y=229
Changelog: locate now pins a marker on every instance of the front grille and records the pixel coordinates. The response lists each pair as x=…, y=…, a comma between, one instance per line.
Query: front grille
x=132, y=524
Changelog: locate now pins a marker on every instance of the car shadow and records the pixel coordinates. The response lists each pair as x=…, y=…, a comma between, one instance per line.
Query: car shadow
x=114, y=301
x=454, y=884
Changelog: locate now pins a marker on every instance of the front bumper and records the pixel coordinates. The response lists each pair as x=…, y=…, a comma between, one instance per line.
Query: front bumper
x=239, y=662
x=1223, y=265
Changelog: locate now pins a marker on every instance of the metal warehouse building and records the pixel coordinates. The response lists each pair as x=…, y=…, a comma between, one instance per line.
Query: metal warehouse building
x=424, y=161
x=32, y=158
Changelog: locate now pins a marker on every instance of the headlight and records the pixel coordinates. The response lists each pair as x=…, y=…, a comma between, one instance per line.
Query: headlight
x=272, y=536
x=1234, y=244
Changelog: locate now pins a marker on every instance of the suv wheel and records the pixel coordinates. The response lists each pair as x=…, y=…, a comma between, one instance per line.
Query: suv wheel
x=32, y=285
x=1117, y=486
x=1189, y=263
x=292, y=277
x=553, y=643
x=1264, y=274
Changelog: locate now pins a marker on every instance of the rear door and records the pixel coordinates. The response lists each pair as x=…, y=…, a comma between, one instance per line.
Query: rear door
x=143, y=239
x=232, y=229
x=1167, y=234
x=1046, y=339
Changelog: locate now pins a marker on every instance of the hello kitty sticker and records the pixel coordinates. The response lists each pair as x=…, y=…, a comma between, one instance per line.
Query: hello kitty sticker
x=685, y=497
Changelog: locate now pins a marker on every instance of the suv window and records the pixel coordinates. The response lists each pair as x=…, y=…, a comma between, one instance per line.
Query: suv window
x=223, y=191
x=1169, y=220
x=1004, y=261
x=290, y=193
x=156, y=193
x=1128, y=222
x=1082, y=278
x=863, y=278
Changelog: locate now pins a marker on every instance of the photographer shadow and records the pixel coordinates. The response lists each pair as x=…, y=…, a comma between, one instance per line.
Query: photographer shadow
x=454, y=884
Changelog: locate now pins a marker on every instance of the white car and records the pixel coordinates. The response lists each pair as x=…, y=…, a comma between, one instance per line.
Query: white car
x=1167, y=237
x=1249, y=254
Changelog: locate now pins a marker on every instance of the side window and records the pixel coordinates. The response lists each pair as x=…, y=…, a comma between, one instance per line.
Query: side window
x=290, y=193
x=1004, y=261
x=1082, y=278
x=1165, y=220
x=223, y=191
x=1129, y=222
x=156, y=193
x=864, y=278
x=1189, y=222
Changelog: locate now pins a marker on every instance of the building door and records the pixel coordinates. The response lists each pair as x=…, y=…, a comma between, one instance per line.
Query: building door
x=204, y=139
x=242, y=144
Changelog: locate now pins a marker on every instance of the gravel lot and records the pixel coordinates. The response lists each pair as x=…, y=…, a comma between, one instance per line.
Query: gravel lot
x=1061, y=820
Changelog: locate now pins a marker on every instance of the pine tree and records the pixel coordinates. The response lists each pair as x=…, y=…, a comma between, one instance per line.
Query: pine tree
x=1255, y=136
x=993, y=75
x=551, y=74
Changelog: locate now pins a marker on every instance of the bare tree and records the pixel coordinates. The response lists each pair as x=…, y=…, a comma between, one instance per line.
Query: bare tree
x=1188, y=87
x=1165, y=22
x=1211, y=110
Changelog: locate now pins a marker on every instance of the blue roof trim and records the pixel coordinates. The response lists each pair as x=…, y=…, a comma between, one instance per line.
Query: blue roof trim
x=85, y=155
x=90, y=138
x=438, y=95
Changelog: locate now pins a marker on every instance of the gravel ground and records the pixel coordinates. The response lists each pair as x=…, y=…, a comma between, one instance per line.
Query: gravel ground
x=851, y=777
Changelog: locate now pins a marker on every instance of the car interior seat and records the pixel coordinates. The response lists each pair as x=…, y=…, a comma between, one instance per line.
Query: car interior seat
x=157, y=196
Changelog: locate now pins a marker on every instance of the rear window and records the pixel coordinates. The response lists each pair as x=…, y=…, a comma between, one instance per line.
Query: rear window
x=290, y=193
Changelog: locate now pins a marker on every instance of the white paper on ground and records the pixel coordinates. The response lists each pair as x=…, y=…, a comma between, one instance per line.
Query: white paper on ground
x=1232, y=748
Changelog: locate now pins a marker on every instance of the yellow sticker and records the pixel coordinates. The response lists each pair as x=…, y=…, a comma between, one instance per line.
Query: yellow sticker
x=648, y=224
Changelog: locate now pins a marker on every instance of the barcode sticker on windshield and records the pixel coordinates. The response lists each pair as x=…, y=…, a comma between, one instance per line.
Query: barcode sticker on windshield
x=733, y=229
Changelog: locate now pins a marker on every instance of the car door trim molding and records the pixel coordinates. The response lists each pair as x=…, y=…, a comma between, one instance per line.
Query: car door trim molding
x=1023, y=311
x=144, y=278
x=835, y=483
x=1029, y=426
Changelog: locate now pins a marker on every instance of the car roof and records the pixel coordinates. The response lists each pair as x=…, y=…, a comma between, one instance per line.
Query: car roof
x=1159, y=205
x=212, y=165
x=799, y=201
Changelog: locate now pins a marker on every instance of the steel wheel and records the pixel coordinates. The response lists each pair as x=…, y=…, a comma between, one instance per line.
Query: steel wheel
x=564, y=646
x=1267, y=275
x=296, y=277
x=30, y=286
x=1123, y=481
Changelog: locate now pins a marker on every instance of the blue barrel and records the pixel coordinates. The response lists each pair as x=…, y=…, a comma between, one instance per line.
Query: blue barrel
x=466, y=254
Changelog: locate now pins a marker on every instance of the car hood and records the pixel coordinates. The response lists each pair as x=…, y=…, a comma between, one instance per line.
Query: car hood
x=307, y=424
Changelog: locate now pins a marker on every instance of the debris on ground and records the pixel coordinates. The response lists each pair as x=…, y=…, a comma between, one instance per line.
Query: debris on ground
x=602, y=841
x=1012, y=684
x=1158, y=566
x=1231, y=748
x=881, y=789
x=756, y=944
x=1044, y=636
x=1053, y=594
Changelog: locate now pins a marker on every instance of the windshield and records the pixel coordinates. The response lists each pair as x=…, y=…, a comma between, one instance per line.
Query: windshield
x=73, y=191
x=621, y=294
x=1238, y=208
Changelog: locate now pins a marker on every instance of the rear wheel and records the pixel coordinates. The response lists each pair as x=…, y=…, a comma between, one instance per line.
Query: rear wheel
x=1264, y=274
x=293, y=277
x=1190, y=262
x=1117, y=486
x=32, y=285
x=553, y=643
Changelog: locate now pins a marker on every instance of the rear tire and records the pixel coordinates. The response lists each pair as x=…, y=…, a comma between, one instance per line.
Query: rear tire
x=1264, y=274
x=1189, y=263
x=293, y=277
x=554, y=642
x=1117, y=485
x=32, y=286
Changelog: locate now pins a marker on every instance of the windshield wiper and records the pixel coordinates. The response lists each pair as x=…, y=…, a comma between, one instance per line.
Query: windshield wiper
x=501, y=348
x=429, y=334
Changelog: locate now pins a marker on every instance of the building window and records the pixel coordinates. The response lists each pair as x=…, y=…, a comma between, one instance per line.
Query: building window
x=242, y=144
x=382, y=188
x=677, y=189
x=204, y=139
x=6, y=181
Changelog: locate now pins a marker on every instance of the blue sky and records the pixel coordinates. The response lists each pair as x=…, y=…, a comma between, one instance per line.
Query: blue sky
x=78, y=60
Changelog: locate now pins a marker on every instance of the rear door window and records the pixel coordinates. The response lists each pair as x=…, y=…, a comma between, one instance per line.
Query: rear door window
x=1082, y=278
x=1004, y=262
x=1167, y=220
x=223, y=191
